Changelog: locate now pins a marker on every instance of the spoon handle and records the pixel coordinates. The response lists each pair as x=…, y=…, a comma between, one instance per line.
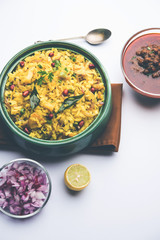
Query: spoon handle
x=63, y=39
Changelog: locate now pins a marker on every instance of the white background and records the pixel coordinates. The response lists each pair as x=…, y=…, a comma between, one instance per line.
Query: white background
x=122, y=201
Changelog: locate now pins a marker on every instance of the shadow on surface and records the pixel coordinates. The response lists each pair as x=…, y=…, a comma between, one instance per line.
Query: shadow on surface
x=146, y=102
x=71, y=192
x=102, y=152
x=38, y=157
x=54, y=159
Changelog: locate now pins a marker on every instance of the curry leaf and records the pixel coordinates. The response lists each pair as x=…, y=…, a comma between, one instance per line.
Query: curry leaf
x=68, y=102
x=41, y=80
x=34, y=100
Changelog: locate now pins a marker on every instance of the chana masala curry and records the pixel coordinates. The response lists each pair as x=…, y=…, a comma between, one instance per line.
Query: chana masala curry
x=142, y=62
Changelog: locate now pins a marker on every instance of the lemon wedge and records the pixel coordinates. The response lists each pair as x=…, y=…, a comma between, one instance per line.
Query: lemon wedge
x=77, y=177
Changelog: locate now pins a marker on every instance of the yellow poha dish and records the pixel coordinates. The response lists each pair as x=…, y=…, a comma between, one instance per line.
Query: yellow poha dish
x=54, y=94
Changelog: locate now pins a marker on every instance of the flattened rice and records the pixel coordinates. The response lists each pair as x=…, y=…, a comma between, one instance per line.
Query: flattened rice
x=54, y=94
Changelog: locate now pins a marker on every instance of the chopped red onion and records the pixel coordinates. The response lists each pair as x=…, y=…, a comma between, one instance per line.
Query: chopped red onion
x=23, y=188
x=101, y=103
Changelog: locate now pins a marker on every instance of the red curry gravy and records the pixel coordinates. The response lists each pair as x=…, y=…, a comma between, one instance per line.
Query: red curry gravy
x=135, y=72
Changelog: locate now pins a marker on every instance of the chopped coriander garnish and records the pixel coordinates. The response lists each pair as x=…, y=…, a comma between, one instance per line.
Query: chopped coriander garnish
x=72, y=58
x=22, y=111
x=50, y=76
x=40, y=66
x=42, y=72
x=74, y=75
x=57, y=64
x=66, y=69
x=41, y=80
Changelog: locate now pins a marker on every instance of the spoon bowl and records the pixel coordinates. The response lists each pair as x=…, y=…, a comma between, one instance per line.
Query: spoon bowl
x=98, y=36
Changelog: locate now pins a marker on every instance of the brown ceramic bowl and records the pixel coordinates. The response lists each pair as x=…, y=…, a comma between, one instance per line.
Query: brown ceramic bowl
x=142, y=83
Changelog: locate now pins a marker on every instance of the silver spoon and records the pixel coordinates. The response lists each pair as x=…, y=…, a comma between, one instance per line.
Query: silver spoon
x=94, y=37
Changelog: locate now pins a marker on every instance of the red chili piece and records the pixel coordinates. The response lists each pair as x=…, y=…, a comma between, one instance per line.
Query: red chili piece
x=25, y=93
x=26, y=130
x=22, y=63
x=65, y=92
x=12, y=87
x=81, y=123
x=50, y=116
x=53, y=64
x=51, y=54
x=93, y=90
x=91, y=66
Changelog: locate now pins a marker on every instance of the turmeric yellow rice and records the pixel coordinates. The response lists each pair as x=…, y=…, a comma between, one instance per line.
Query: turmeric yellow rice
x=54, y=94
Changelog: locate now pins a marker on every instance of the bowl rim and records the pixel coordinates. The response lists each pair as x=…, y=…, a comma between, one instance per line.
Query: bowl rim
x=48, y=45
x=128, y=42
x=31, y=161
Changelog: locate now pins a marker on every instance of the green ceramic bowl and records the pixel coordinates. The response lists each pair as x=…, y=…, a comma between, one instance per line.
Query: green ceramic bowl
x=60, y=147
